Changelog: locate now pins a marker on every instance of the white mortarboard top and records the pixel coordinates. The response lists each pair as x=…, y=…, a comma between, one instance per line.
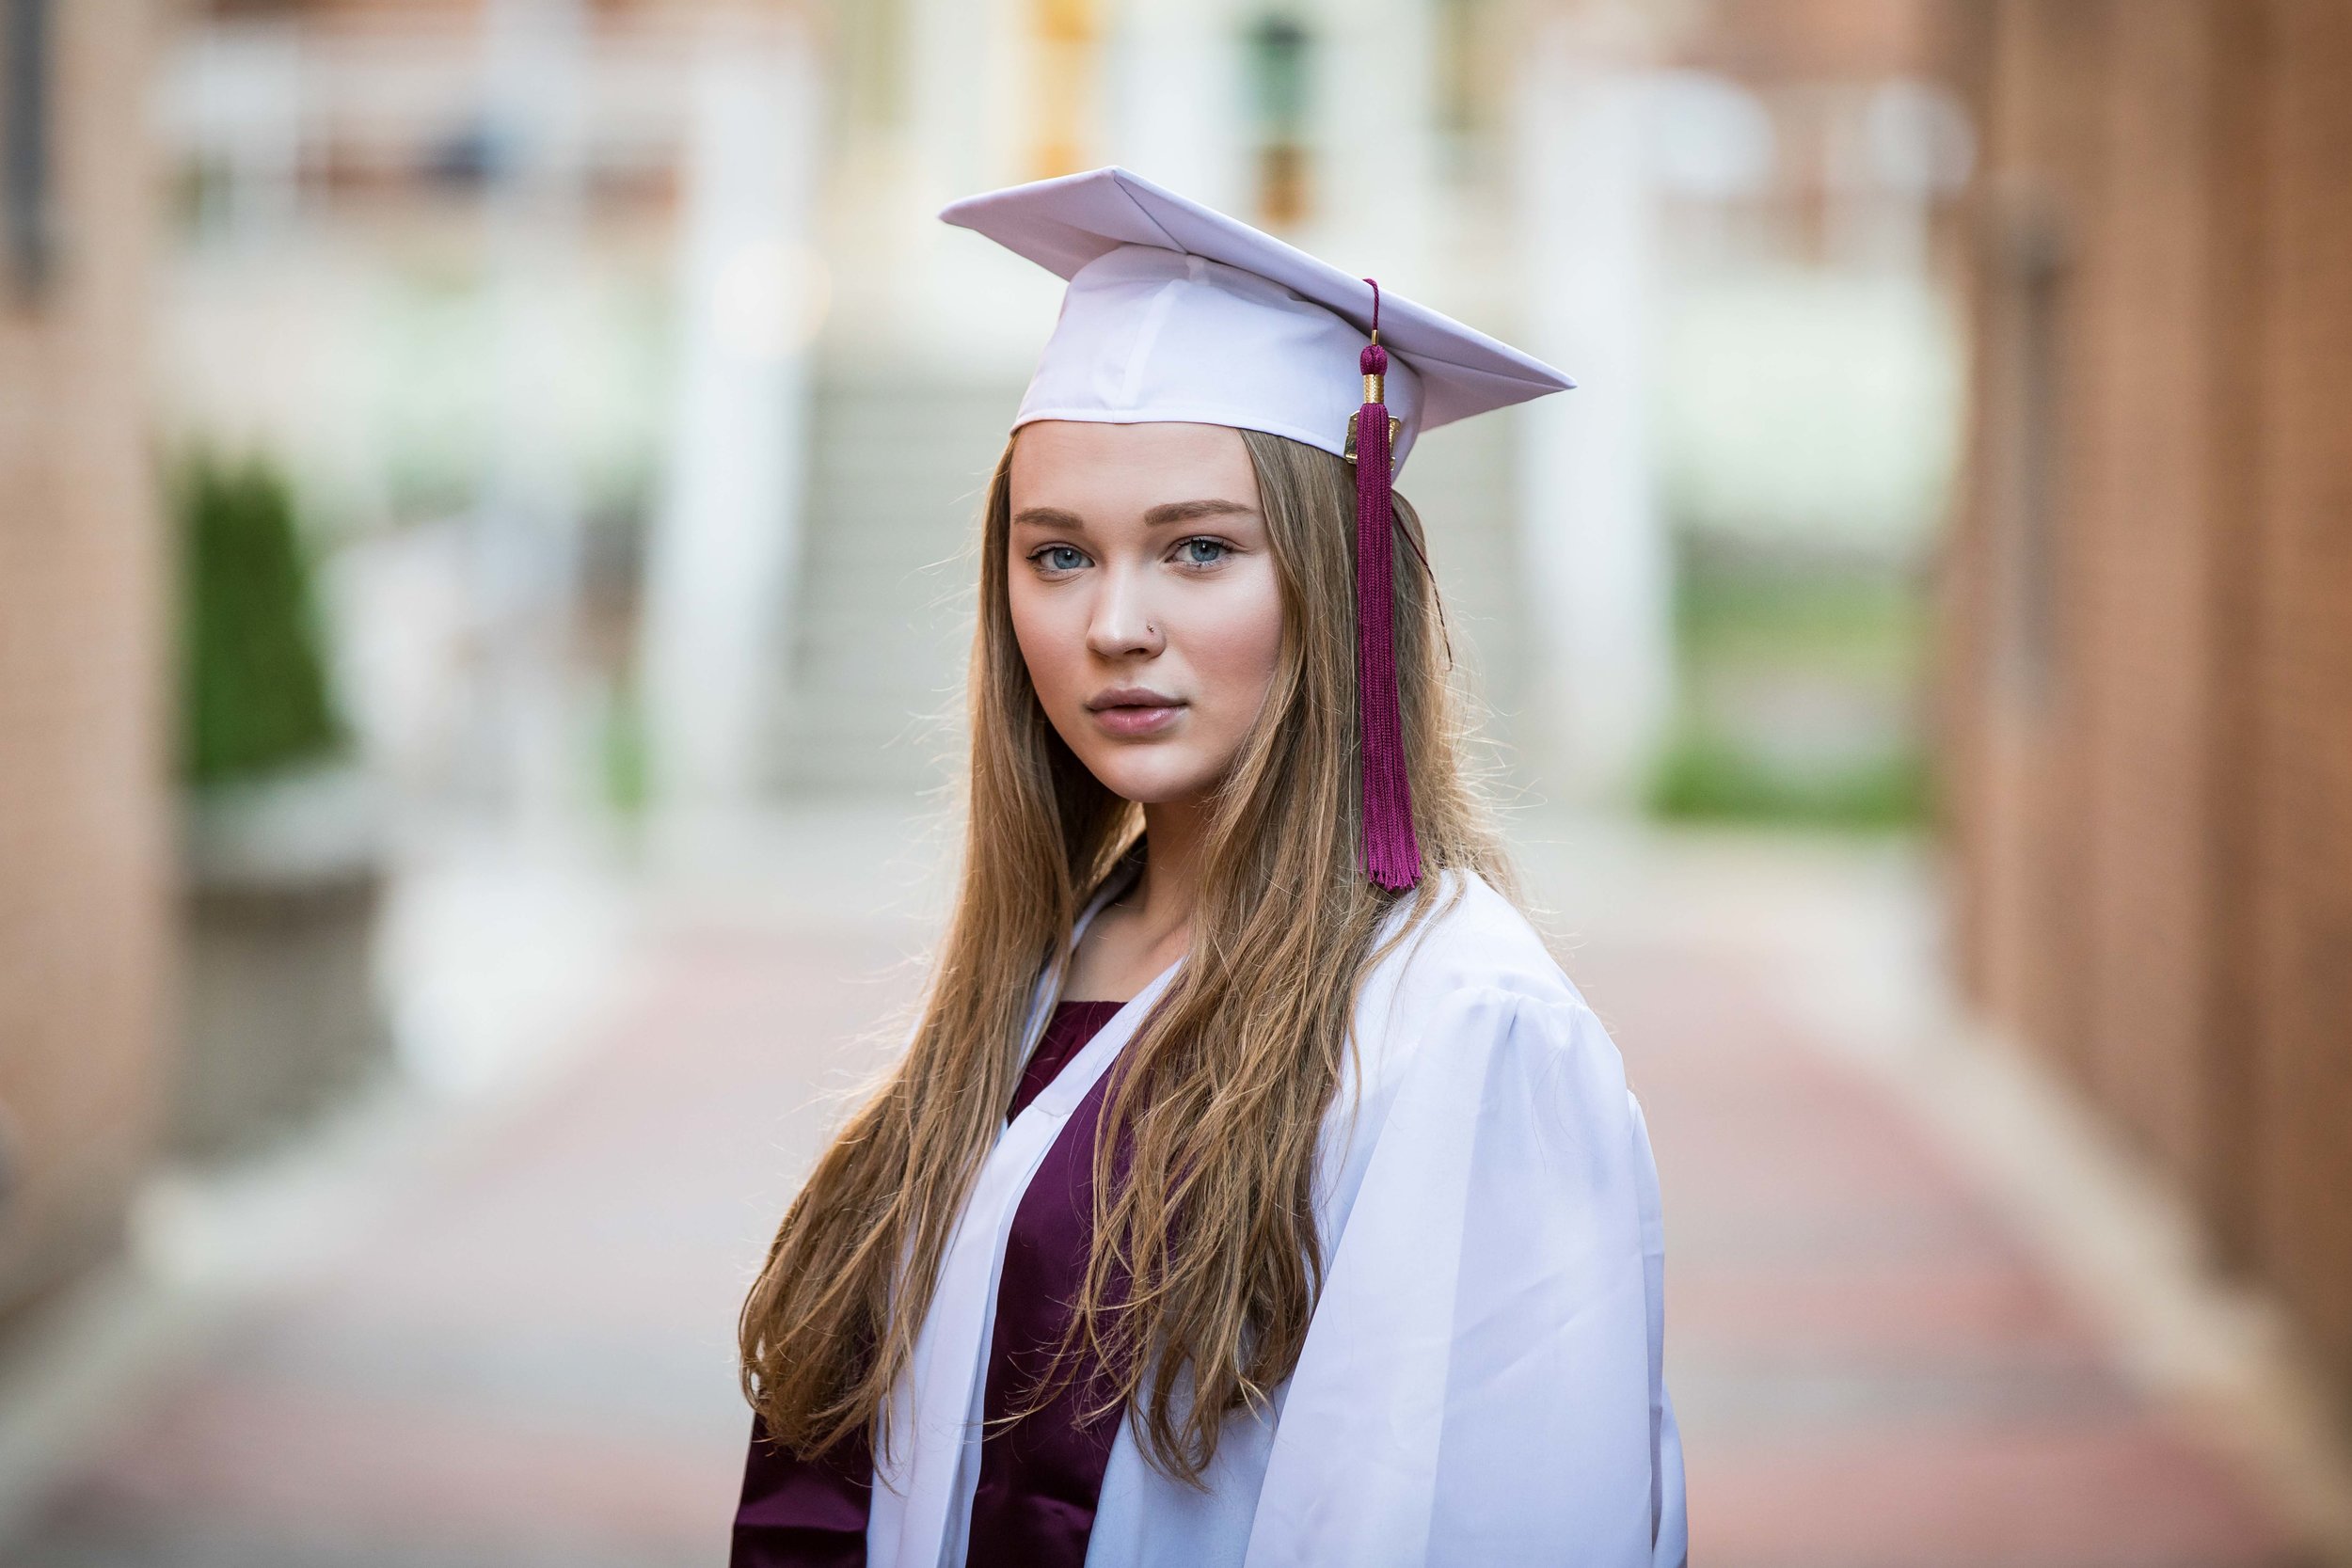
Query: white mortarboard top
x=1176, y=312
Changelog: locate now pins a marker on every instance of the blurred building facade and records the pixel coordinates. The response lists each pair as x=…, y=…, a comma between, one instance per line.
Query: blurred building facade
x=621, y=332
x=1379, y=135
x=639, y=409
x=2148, y=722
x=1601, y=182
x=84, y=865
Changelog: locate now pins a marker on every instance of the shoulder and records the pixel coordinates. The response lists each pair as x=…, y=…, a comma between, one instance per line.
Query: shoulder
x=1467, y=960
x=1473, y=1047
x=1462, y=934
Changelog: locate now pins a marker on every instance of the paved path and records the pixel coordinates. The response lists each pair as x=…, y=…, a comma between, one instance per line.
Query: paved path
x=527, y=1360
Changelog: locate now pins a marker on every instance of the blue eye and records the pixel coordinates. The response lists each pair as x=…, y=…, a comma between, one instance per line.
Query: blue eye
x=1048, y=558
x=1190, y=546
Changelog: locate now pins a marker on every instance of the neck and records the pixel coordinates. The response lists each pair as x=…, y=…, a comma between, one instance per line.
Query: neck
x=1169, y=884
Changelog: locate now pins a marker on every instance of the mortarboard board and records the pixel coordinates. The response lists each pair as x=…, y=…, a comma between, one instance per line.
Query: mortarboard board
x=1177, y=312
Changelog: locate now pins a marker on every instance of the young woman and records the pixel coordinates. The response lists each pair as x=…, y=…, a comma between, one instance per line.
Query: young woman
x=1254, y=1188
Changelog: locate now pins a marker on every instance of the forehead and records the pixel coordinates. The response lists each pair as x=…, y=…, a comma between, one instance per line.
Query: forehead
x=1097, y=467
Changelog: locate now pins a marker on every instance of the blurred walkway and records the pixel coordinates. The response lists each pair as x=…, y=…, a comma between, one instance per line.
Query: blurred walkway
x=527, y=1358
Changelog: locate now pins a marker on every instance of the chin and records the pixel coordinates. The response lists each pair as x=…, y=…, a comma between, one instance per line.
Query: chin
x=1148, y=782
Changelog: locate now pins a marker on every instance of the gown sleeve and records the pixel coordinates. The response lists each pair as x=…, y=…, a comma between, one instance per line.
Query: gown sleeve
x=1670, y=1547
x=1482, y=1382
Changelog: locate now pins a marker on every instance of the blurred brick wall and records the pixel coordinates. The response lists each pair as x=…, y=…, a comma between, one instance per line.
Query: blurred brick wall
x=2302, y=905
x=83, y=852
x=1805, y=39
x=2148, y=673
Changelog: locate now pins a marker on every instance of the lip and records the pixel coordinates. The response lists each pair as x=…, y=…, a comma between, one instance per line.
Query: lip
x=1133, y=710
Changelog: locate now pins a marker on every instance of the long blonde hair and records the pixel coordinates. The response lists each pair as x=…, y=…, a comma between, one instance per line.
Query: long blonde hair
x=1222, y=1091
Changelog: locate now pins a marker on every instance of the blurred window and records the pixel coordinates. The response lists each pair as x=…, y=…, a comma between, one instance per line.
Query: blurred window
x=1281, y=64
x=1068, y=38
x=2032, y=272
x=24, y=103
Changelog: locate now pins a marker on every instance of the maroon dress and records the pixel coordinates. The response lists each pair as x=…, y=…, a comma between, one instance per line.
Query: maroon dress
x=1034, y=1504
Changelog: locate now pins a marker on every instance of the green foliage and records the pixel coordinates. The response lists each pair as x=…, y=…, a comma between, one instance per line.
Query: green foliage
x=625, y=753
x=254, y=690
x=1707, y=778
x=1865, y=627
x=1800, y=700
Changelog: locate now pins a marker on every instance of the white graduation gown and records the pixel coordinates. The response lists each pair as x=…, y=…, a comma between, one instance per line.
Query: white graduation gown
x=1482, y=1383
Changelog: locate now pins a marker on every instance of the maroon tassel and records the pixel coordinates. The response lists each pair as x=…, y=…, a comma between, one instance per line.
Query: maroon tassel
x=1392, y=852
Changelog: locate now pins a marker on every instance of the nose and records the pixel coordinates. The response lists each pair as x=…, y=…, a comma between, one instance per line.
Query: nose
x=1123, y=625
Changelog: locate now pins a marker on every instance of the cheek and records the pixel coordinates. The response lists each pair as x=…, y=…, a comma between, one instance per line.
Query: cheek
x=1049, y=648
x=1240, y=642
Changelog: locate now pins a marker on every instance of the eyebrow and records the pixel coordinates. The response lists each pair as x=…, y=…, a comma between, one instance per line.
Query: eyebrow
x=1158, y=516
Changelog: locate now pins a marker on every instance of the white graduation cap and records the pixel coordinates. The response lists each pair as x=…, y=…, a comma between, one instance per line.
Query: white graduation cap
x=1177, y=312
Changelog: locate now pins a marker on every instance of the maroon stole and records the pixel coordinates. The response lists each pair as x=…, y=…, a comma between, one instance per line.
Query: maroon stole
x=1034, y=1504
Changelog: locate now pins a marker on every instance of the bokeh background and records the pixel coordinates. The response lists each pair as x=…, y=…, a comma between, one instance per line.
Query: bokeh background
x=486, y=507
